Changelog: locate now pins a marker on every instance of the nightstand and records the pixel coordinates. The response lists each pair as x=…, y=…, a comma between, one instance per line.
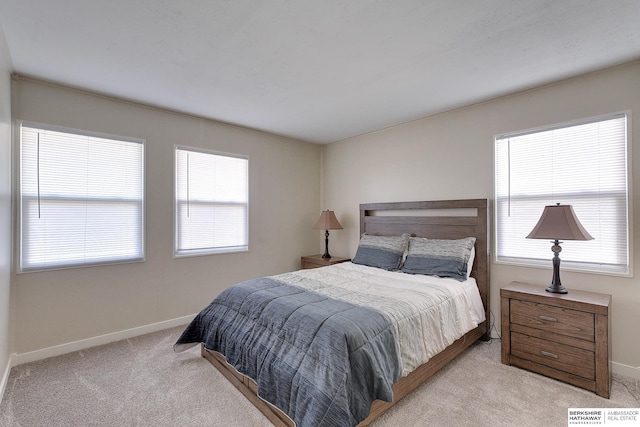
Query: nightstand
x=562, y=336
x=315, y=261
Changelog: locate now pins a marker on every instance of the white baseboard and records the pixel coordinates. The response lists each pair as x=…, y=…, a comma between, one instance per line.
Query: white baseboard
x=5, y=377
x=58, y=350
x=625, y=370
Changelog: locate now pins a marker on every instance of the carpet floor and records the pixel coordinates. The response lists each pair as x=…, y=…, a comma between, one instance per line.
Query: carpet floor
x=142, y=382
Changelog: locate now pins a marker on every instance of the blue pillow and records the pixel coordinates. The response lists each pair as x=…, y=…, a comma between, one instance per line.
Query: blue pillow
x=384, y=252
x=443, y=258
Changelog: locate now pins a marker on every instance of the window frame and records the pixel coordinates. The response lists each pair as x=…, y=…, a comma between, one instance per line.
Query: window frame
x=186, y=253
x=577, y=266
x=19, y=269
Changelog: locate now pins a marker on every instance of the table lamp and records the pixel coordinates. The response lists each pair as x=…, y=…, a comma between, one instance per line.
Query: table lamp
x=326, y=222
x=558, y=222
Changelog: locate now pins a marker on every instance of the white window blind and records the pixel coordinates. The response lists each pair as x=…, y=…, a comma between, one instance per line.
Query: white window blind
x=583, y=164
x=81, y=198
x=211, y=202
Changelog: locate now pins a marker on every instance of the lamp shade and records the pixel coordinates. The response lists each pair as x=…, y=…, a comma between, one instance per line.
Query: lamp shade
x=327, y=221
x=559, y=222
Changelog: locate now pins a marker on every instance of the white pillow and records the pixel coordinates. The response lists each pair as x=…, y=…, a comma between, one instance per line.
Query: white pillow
x=470, y=262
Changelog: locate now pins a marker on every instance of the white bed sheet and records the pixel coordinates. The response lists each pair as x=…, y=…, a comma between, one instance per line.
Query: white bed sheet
x=428, y=312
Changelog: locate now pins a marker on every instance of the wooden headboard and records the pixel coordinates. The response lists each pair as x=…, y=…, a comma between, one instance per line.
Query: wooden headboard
x=441, y=219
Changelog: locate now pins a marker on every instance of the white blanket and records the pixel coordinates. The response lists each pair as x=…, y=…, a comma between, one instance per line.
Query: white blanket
x=429, y=313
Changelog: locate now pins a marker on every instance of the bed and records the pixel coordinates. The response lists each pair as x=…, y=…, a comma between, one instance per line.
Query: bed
x=346, y=342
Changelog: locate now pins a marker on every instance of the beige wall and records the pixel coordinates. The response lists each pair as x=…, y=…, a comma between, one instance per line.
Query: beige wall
x=59, y=307
x=450, y=156
x=5, y=209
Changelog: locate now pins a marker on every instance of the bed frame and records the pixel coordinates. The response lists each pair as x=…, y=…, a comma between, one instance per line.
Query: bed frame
x=443, y=219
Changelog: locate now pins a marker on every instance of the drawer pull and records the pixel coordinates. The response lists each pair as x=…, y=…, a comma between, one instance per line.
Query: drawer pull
x=548, y=319
x=546, y=353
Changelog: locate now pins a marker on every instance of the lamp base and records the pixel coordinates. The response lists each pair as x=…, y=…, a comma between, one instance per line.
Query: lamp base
x=555, y=289
x=556, y=286
x=326, y=245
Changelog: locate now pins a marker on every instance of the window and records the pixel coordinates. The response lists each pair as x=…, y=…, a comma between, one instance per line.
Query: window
x=81, y=198
x=211, y=202
x=583, y=164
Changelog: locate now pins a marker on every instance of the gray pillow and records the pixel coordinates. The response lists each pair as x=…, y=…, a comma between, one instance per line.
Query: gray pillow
x=443, y=258
x=384, y=252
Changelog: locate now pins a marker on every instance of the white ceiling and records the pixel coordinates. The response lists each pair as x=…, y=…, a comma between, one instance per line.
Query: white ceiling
x=316, y=70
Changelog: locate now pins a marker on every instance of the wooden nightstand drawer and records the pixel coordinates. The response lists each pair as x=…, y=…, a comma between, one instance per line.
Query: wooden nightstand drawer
x=558, y=356
x=572, y=323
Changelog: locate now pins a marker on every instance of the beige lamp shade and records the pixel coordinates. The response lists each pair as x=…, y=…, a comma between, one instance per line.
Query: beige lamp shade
x=559, y=222
x=327, y=221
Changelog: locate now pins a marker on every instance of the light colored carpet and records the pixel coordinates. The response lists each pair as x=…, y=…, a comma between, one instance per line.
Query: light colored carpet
x=142, y=382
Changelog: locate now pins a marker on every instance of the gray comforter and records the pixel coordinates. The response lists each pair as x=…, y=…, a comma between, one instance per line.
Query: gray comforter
x=320, y=360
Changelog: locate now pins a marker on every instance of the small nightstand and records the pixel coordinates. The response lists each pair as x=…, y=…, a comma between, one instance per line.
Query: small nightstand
x=562, y=336
x=315, y=261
